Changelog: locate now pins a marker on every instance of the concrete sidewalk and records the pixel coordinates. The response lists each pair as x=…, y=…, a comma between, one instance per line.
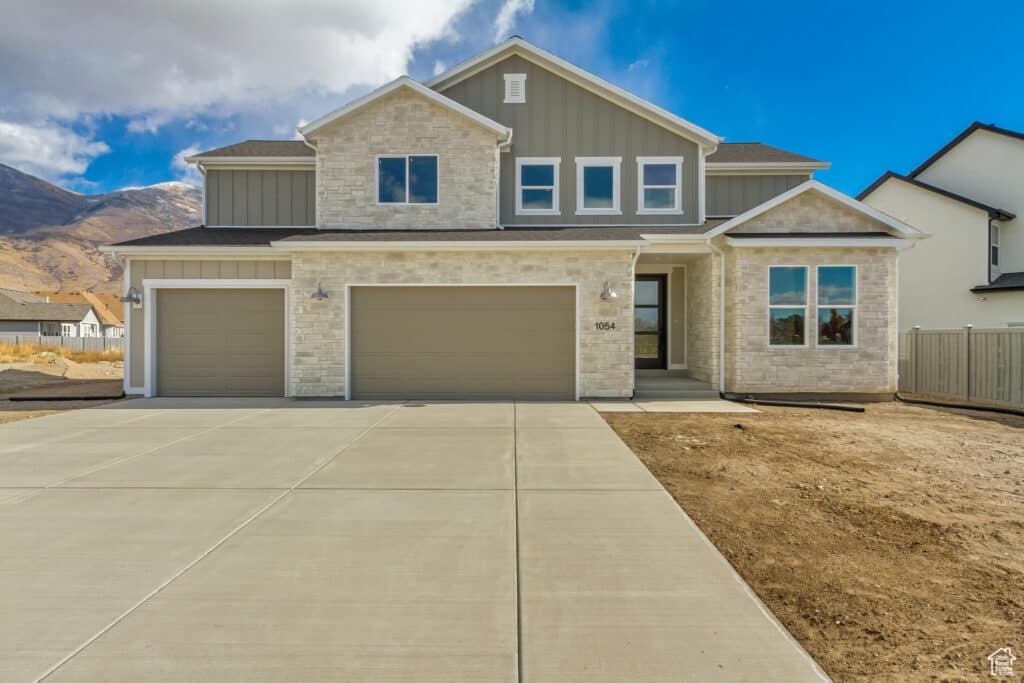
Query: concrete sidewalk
x=269, y=540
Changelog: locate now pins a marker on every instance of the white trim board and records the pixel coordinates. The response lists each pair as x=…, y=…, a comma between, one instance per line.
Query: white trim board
x=580, y=77
x=815, y=186
x=149, y=287
x=417, y=87
x=348, y=317
x=818, y=242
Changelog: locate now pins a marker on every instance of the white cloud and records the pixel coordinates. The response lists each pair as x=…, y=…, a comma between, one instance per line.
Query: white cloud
x=47, y=149
x=154, y=62
x=439, y=67
x=507, y=15
x=187, y=173
x=639, y=64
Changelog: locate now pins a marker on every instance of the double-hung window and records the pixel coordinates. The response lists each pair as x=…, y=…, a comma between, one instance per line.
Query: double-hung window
x=659, y=185
x=407, y=179
x=787, y=306
x=837, y=305
x=537, y=185
x=597, y=185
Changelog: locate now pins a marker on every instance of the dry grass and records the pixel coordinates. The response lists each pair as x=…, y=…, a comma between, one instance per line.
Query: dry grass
x=32, y=353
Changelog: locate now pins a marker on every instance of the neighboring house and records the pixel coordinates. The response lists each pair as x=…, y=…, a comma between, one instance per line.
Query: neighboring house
x=514, y=227
x=106, y=307
x=968, y=197
x=22, y=313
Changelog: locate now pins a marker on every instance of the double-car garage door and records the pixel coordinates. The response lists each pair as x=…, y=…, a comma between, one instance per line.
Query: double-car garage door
x=405, y=342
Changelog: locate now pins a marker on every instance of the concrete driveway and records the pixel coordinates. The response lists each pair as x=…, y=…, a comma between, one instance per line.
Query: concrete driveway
x=268, y=540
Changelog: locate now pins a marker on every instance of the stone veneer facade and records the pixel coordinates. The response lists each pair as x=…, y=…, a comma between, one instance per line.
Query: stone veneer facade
x=318, y=342
x=406, y=123
x=703, y=293
x=811, y=212
x=867, y=368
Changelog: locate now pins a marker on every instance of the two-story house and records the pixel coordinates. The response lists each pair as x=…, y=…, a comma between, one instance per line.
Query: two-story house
x=514, y=227
x=967, y=197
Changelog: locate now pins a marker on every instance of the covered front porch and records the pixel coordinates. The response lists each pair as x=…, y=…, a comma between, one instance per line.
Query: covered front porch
x=675, y=319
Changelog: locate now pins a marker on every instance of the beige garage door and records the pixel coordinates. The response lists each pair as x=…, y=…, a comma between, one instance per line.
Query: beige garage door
x=463, y=342
x=220, y=342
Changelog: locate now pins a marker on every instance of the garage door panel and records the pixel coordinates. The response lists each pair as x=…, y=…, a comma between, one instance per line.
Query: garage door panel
x=463, y=342
x=220, y=342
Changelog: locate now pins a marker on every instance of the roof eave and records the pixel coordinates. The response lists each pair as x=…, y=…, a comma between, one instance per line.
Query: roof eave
x=404, y=82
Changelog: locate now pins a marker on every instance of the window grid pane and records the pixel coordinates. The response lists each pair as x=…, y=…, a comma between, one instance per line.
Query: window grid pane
x=598, y=187
x=787, y=326
x=837, y=285
x=835, y=326
x=391, y=180
x=422, y=180
x=787, y=285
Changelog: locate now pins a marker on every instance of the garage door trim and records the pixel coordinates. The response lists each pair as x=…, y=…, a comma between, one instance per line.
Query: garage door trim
x=348, y=318
x=149, y=288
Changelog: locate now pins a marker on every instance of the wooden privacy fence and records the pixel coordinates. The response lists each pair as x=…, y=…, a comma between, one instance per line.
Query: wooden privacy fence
x=70, y=343
x=969, y=364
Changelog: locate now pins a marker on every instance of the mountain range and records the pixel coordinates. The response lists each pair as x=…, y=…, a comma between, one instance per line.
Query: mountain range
x=49, y=236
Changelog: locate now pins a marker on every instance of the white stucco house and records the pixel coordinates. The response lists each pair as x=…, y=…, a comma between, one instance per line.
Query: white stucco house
x=968, y=197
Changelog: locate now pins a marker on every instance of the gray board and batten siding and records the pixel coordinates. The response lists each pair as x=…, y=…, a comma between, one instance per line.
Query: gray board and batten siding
x=731, y=195
x=561, y=119
x=260, y=197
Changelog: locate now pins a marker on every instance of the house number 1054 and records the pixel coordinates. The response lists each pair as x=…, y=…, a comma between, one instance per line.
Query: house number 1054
x=604, y=325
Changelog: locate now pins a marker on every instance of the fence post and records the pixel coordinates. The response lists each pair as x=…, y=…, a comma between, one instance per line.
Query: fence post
x=967, y=386
x=917, y=356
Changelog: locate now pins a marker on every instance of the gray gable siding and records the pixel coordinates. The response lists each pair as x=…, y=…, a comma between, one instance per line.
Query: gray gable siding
x=260, y=197
x=561, y=119
x=731, y=195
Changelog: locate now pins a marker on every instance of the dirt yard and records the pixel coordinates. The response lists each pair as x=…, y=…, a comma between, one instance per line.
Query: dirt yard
x=54, y=375
x=890, y=543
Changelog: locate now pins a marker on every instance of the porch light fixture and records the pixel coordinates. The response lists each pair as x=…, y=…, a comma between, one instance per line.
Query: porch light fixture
x=608, y=294
x=319, y=294
x=132, y=297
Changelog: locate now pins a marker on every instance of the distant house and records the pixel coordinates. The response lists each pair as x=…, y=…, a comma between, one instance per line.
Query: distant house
x=967, y=196
x=25, y=313
x=107, y=307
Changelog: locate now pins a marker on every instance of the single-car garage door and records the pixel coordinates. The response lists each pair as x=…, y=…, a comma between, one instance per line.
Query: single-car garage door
x=220, y=342
x=463, y=342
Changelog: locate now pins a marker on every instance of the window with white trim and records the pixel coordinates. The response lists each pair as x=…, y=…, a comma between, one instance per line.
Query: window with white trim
x=407, y=179
x=67, y=329
x=659, y=183
x=994, y=230
x=537, y=185
x=837, y=305
x=787, y=306
x=515, y=88
x=597, y=185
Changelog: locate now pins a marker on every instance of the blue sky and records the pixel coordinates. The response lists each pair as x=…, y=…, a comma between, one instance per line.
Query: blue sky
x=867, y=86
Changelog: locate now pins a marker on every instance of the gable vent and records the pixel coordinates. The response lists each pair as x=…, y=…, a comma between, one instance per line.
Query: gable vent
x=515, y=88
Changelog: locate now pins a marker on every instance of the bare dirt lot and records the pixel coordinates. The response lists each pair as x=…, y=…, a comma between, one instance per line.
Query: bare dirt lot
x=54, y=375
x=890, y=543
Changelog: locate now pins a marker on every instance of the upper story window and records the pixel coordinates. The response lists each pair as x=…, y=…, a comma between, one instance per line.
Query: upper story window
x=837, y=303
x=994, y=240
x=787, y=306
x=407, y=179
x=659, y=185
x=597, y=185
x=537, y=185
x=515, y=88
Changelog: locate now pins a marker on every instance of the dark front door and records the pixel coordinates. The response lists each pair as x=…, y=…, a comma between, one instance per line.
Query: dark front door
x=649, y=321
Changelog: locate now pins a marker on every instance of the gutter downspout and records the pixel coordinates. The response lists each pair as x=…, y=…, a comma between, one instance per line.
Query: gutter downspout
x=502, y=147
x=721, y=322
x=316, y=190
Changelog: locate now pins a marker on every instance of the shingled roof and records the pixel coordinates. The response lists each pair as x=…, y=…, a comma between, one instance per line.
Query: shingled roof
x=756, y=152
x=16, y=305
x=260, y=148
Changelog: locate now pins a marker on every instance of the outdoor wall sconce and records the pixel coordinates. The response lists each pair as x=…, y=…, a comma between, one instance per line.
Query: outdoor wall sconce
x=319, y=294
x=608, y=294
x=133, y=297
